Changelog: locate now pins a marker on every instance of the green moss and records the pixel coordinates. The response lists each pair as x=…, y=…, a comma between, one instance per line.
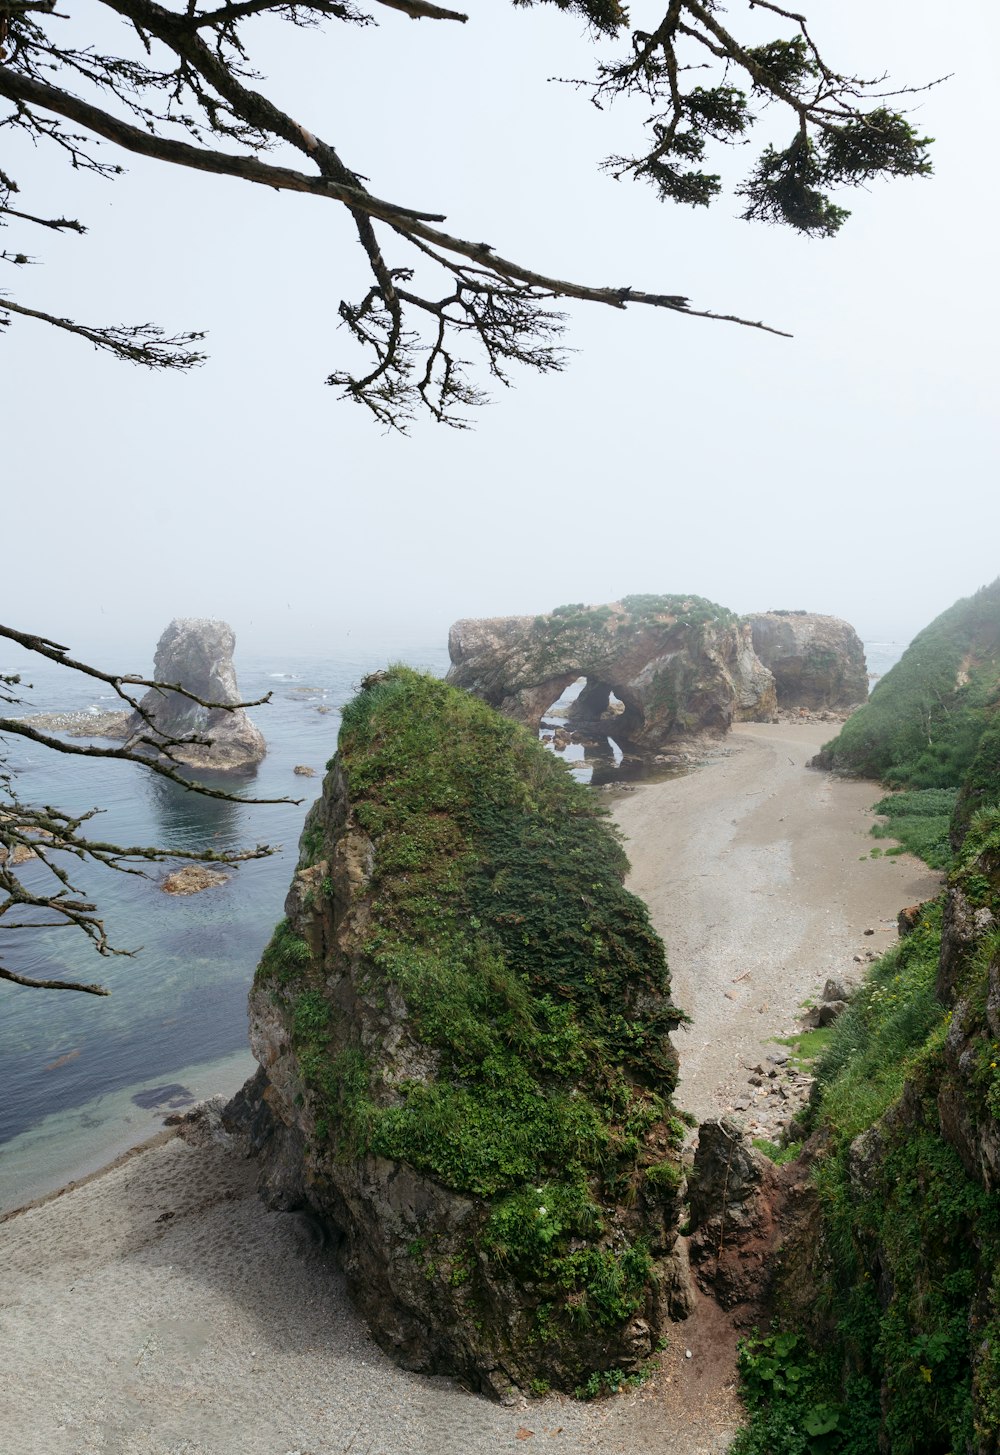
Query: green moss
x=285, y=958
x=498, y=912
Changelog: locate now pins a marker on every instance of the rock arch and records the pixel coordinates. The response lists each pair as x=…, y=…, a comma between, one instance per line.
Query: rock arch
x=680, y=665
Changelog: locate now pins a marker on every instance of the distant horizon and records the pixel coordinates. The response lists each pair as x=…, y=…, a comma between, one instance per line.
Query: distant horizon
x=109, y=647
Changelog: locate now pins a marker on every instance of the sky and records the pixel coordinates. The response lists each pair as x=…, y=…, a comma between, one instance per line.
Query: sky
x=850, y=470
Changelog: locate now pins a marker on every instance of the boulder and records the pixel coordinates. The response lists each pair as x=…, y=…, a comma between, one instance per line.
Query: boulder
x=679, y=665
x=462, y=1028
x=198, y=655
x=733, y=1192
x=192, y=879
x=817, y=661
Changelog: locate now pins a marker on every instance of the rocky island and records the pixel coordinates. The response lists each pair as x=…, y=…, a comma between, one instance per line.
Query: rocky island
x=197, y=654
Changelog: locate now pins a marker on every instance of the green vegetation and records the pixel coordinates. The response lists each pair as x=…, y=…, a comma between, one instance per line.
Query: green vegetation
x=907, y=1348
x=878, y=1039
x=690, y=610
x=920, y=820
x=923, y=723
x=497, y=911
x=775, y=1152
x=588, y=633
x=806, y=1046
x=981, y=784
x=285, y=957
x=796, y=1404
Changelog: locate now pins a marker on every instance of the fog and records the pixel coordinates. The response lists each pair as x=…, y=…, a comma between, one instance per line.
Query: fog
x=850, y=469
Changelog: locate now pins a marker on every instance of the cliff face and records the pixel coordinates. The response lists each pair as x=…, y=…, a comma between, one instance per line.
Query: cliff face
x=817, y=661
x=198, y=654
x=462, y=1029
x=680, y=665
x=896, y=1280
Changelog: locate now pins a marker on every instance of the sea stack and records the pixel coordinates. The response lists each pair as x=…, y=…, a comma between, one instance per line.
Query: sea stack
x=198, y=654
x=465, y=1066
x=818, y=661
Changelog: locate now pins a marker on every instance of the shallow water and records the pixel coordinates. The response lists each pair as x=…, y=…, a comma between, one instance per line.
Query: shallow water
x=177, y=1012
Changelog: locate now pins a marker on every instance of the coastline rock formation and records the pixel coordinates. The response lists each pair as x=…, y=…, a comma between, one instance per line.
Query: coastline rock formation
x=680, y=665
x=817, y=661
x=198, y=654
x=465, y=1069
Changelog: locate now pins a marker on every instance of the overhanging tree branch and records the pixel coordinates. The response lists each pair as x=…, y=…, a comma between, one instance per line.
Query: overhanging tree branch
x=188, y=87
x=47, y=837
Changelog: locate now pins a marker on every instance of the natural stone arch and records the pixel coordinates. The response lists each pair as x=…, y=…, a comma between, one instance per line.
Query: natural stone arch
x=680, y=665
x=590, y=709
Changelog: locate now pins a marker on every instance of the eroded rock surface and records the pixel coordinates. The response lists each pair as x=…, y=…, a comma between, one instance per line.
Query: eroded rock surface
x=198, y=654
x=680, y=665
x=817, y=661
x=462, y=1029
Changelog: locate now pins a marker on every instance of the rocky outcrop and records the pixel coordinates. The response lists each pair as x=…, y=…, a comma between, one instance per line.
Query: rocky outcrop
x=680, y=666
x=192, y=879
x=198, y=655
x=462, y=1029
x=817, y=661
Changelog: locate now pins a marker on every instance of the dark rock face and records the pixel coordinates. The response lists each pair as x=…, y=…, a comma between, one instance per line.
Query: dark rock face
x=465, y=1066
x=817, y=661
x=680, y=665
x=198, y=654
x=734, y=1198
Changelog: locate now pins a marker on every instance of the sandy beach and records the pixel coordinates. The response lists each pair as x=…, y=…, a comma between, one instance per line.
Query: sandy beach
x=160, y=1309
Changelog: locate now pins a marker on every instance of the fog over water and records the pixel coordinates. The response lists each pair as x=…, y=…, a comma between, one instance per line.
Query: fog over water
x=850, y=469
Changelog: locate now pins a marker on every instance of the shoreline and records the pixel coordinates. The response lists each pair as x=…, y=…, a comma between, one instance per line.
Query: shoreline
x=157, y=1305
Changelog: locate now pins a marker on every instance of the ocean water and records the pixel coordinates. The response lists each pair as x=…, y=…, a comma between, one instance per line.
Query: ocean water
x=87, y=1077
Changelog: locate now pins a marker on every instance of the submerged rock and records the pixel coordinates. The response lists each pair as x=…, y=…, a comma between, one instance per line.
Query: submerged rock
x=192, y=879
x=198, y=654
x=462, y=1028
x=817, y=661
x=679, y=665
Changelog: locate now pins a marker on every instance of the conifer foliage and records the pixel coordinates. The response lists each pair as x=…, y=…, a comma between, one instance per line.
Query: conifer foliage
x=185, y=87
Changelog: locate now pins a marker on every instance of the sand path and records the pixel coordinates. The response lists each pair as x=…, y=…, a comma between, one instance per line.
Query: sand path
x=160, y=1309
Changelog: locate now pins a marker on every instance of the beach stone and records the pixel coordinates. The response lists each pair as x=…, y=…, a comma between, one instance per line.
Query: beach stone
x=197, y=654
x=303, y=771
x=836, y=989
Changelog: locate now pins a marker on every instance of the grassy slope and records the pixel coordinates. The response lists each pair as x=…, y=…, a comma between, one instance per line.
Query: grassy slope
x=920, y=728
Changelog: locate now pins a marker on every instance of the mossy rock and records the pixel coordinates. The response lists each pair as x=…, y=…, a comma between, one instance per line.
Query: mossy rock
x=472, y=1063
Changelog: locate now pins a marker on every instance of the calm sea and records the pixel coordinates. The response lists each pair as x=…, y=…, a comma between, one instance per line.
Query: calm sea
x=87, y=1077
